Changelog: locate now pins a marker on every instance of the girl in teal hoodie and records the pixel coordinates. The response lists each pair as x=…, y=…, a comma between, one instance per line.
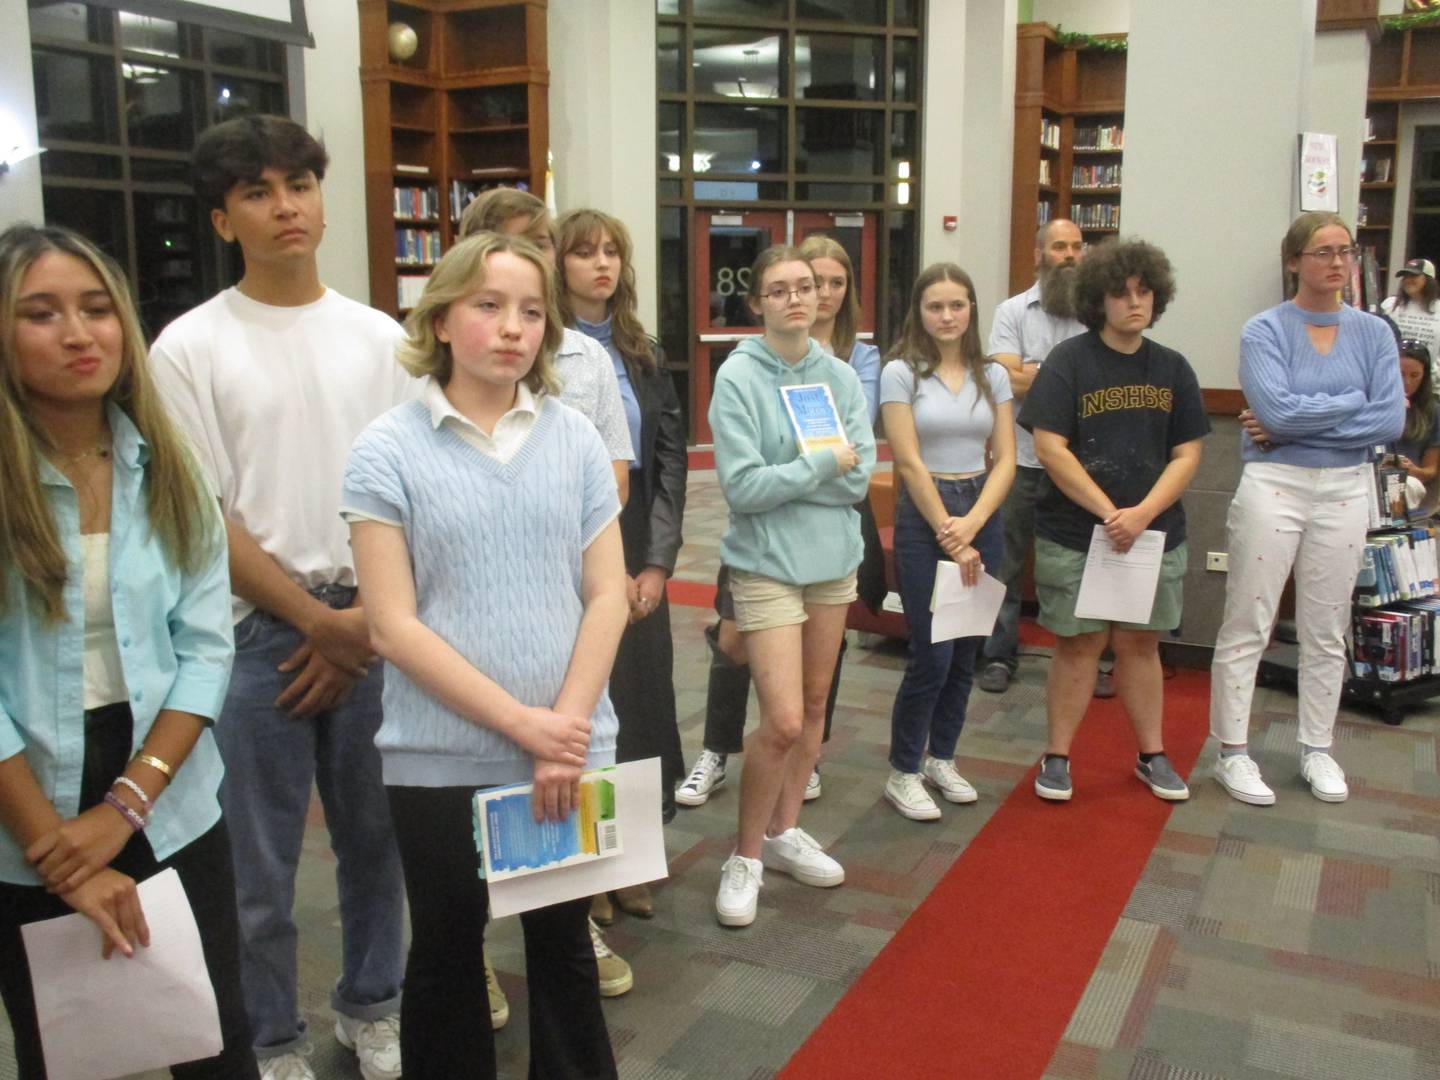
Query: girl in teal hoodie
x=792, y=545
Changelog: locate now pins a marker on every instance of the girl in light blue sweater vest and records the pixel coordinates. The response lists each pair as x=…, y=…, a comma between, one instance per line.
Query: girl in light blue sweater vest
x=483, y=518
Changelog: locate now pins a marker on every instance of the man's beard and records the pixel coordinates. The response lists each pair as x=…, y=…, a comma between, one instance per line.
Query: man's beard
x=1057, y=290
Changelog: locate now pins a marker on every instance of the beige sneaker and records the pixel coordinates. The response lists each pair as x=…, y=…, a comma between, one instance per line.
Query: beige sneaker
x=616, y=978
x=499, y=1005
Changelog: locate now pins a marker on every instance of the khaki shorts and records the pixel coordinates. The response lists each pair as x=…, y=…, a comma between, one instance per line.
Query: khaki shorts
x=762, y=603
x=1057, y=584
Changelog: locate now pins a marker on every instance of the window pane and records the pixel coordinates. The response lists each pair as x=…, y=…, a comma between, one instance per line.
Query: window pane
x=844, y=142
x=239, y=97
x=98, y=216
x=739, y=190
x=672, y=140
x=669, y=189
x=839, y=66
x=667, y=7
x=850, y=11
x=75, y=97
x=737, y=63
x=674, y=298
x=907, y=13
x=161, y=106
x=160, y=171
x=83, y=166
x=839, y=193
x=669, y=60
x=147, y=34
x=69, y=22
x=903, y=265
x=903, y=140
x=754, y=9
x=906, y=82
x=739, y=138
x=243, y=51
x=168, y=246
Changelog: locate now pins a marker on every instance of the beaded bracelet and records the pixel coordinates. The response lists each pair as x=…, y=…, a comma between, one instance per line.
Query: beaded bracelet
x=135, y=821
x=145, y=804
x=155, y=763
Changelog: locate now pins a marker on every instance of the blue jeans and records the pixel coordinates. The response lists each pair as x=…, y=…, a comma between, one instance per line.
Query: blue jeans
x=930, y=705
x=271, y=760
x=1003, y=644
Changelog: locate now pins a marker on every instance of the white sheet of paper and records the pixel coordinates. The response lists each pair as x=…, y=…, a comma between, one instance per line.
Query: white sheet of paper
x=960, y=610
x=637, y=807
x=1116, y=587
x=106, y=1018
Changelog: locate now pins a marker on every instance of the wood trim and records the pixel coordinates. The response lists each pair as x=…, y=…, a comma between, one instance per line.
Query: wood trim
x=1347, y=15
x=1220, y=402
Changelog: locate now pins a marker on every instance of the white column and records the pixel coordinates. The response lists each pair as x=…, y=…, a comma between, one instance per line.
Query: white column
x=602, y=121
x=20, y=198
x=1338, y=83
x=1210, y=141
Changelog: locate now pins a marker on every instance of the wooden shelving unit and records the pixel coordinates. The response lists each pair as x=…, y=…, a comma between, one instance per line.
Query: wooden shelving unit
x=468, y=111
x=1059, y=92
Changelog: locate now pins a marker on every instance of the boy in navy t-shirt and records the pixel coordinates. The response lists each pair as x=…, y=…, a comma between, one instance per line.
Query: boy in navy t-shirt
x=1118, y=423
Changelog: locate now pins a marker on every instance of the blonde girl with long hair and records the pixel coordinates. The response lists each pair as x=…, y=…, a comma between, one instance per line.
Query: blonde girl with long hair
x=115, y=640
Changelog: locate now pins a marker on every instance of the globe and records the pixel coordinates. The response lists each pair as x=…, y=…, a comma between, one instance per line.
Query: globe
x=403, y=41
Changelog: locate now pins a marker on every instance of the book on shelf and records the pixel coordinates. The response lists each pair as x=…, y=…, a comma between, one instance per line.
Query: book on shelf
x=1382, y=169
x=417, y=202
x=1103, y=137
x=1045, y=171
x=1094, y=176
x=408, y=290
x=1049, y=133
x=1369, y=128
x=1043, y=212
x=494, y=170
x=1096, y=215
x=417, y=170
x=417, y=247
x=1396, y=644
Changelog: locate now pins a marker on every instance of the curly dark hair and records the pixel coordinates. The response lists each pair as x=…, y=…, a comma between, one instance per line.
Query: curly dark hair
x=1108, y=266
x=238, y=151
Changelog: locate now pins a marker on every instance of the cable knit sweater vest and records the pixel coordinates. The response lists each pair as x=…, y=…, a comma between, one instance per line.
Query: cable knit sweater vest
x=496, y=555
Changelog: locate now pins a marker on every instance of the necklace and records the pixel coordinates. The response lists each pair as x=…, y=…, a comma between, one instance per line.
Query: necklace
x=101, y=451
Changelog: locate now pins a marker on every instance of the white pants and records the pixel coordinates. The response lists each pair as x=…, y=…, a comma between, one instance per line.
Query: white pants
x=1315, y=520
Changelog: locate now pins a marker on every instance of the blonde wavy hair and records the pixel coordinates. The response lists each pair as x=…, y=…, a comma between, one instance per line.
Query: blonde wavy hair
x=577, y=227
x=847, y=318
x=180, y=509
x=460, y=272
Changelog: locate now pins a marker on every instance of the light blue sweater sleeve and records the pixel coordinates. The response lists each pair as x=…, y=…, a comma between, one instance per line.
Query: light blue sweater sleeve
x=865, y=361
x=1265, y=379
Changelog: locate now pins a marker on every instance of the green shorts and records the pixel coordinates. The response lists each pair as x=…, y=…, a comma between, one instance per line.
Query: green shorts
x=1057, y=584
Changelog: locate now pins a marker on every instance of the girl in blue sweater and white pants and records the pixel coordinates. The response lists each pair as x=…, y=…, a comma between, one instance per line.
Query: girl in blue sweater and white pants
x=484, y=522
x=1323, y=383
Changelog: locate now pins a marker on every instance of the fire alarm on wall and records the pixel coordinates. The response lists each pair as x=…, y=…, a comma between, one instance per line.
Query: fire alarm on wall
x=950, y=222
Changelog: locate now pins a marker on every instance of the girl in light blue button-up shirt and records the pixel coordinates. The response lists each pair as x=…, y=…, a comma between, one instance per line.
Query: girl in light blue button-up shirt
x=115, y=639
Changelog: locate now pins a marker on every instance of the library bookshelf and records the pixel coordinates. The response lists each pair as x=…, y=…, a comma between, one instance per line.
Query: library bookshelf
x=467, y=111
x=1069, y=142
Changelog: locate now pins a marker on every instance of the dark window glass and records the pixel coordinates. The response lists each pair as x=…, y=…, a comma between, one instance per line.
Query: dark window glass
x=752, y=9
x=906, y=81
x=239, y=97
x=849, y=11
x=904, y=137
x=737, y=63
x=672, y=138
x=160, y=170
x=842, y=67
x=674, y=301
x=669, y=60
x=739, y=139
x=69, y=22
x=739, y=190
x=83, y=166
x=168, y=249
x=907, y=13
x=147, y=34
x=842, y=142
x=903, y=256
x=839, y=193
x=243, y=51
x=97, y=215
x=669, y=189
x=75, y=97
x=161, y=105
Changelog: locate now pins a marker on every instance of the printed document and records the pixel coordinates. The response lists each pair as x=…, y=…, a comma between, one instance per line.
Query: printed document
x=1116, y=587
x=960, y=610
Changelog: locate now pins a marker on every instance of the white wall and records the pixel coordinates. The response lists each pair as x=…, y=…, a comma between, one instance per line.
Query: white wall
x=603, y=121
x=1217, y=203
x=1085, y=16
x=331, y=112
x=20, y=198
x=1339, y=79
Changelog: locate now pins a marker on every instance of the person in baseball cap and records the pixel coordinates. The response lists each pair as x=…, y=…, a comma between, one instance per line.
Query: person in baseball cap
x=1415, y=307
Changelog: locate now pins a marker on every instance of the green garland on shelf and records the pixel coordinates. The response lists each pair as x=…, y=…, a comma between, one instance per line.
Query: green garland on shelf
x=1071, y=39
x=1412, y=21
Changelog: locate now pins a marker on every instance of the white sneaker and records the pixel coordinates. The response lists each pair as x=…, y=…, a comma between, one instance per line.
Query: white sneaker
x=906, y=792
x=707, y=775
x=1325, y=777
x=499, y=1003
x=943, y=774
x=376, y=1044
x=1240, y=776
x=291, y=1066
x=796, y=853
x=812, y=786
x=740, y=881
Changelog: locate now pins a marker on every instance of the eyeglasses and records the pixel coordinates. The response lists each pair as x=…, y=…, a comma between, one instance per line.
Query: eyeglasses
x=1327, y=254
x=779, y=294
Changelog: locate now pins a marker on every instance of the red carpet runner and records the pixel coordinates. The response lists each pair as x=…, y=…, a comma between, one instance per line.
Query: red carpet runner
x=982, y=978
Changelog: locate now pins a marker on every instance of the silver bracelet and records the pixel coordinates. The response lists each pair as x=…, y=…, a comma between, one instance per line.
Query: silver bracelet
x=145, y=804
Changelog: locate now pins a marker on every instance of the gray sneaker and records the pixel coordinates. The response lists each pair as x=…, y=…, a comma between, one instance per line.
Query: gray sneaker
x=1053, y=782
x=1162, y=778
x=995, y=677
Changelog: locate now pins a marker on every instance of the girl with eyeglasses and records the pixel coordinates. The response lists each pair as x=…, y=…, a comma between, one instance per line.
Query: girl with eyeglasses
x=1323, y=383
x=792, y=545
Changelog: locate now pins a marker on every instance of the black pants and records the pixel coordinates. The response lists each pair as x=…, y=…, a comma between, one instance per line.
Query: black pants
x=444, y=1012
x=206, y=873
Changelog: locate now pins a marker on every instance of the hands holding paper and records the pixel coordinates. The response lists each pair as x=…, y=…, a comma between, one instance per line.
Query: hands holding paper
x=955, y=537
x=1124, y=526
